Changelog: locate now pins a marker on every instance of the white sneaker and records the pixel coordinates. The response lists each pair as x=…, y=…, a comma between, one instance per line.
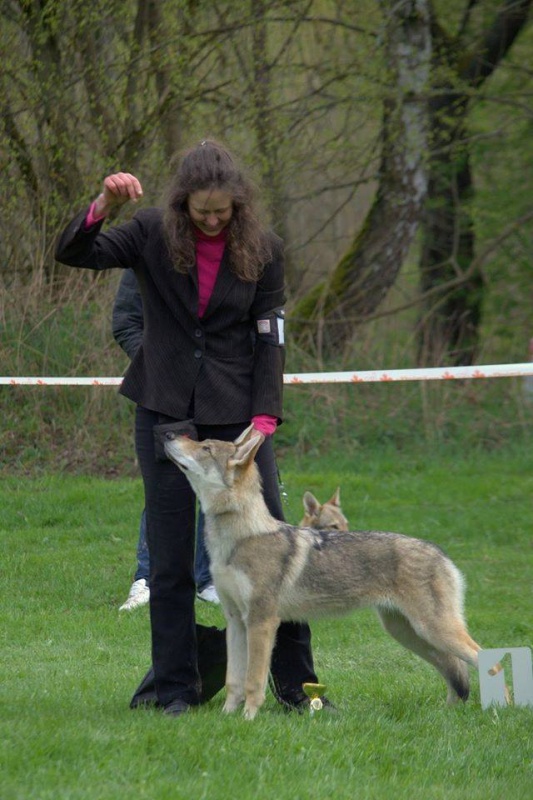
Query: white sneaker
x=139, y=595
x=209, y=594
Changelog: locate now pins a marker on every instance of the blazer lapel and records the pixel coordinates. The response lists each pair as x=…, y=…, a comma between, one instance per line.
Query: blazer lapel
x=178, y=289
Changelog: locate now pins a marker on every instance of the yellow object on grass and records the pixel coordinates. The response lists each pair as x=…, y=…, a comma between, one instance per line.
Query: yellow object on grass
x=314, y=692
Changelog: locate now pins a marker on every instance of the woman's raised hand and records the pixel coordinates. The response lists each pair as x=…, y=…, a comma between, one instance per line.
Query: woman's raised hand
x=119, y=188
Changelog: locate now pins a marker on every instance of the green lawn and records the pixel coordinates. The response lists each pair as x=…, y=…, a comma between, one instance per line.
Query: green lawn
x=70, y=660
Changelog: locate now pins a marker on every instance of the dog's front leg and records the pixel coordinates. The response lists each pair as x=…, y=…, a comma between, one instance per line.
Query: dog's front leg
x=236, y=667
x=261, y=636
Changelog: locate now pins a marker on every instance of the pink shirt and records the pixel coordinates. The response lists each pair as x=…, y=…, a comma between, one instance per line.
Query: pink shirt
x=209, y=252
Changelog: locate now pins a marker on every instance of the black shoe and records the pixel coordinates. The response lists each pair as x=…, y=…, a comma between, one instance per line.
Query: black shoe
x=212, y=661
x=176, y=708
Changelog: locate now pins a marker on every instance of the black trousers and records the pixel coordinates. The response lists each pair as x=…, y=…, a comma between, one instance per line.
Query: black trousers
x=170, y=516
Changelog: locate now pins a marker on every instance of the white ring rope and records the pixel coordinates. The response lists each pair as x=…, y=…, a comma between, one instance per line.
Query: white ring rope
x=366, y=376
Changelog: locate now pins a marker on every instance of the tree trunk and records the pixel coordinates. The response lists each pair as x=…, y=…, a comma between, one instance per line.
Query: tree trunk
x=264, y=123
x=449, y=325
x=367, y=271
x=448, y=329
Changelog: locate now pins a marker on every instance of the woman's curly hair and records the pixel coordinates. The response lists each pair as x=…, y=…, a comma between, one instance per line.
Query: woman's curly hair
x=209, y=165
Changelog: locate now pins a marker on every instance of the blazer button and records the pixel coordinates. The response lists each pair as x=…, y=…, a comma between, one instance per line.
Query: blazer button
x=197, y=333
x=198, y=354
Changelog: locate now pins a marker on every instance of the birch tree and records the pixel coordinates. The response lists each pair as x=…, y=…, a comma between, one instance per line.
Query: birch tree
x=361, y=280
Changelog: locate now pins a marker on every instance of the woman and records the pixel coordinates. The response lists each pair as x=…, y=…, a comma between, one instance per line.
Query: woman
x=128, y=329
x=212, y=285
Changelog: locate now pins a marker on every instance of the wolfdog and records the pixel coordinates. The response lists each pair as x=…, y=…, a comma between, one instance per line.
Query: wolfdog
x=266, y=571
x=325, y=517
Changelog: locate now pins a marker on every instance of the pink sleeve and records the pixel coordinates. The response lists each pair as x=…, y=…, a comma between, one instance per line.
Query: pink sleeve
x=265, y=424
x=91, y=219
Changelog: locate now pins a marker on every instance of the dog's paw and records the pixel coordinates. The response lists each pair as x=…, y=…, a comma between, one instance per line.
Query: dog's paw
x=231, y=705
x=250, y=712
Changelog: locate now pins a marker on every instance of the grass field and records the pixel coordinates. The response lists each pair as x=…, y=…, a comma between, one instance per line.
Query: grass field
x=70, y=660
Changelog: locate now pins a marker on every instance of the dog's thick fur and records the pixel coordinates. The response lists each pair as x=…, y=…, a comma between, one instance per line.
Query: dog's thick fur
x=266, y=571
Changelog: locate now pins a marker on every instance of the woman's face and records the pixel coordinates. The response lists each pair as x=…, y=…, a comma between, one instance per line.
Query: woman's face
x=210, y=210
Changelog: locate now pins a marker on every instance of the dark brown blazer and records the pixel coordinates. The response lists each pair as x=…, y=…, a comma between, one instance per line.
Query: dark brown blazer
x=217, y=364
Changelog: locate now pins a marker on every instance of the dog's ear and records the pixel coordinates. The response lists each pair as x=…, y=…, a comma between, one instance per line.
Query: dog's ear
x=246, y=450
x=311, y=505
x=244, y=435
x=336, y=499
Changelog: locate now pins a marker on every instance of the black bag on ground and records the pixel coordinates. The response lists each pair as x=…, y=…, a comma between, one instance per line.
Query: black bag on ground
x=211, y=666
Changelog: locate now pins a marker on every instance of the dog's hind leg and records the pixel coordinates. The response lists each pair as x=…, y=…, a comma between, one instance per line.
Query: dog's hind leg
x=454, y=637
x=261, y=636
x=453, y=669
